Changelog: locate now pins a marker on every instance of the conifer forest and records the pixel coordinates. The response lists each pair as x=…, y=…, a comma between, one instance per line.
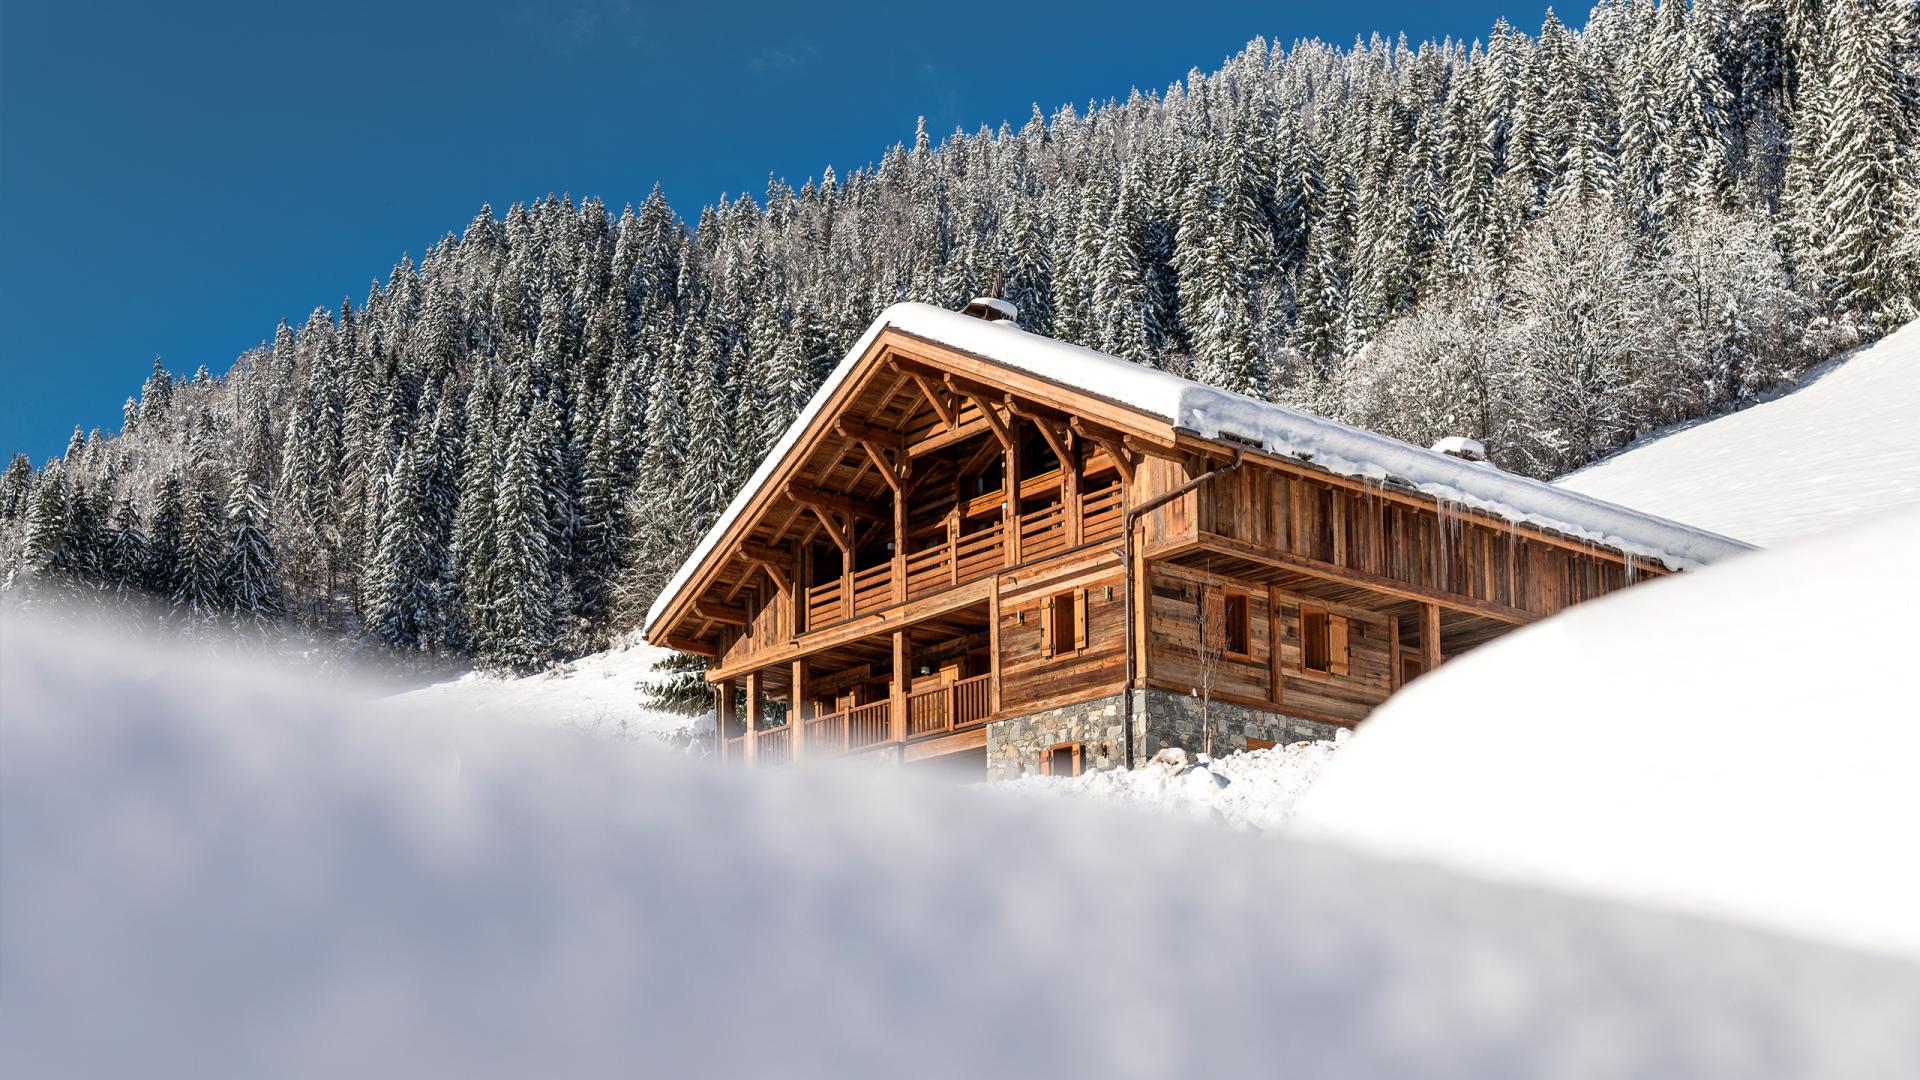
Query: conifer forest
x=1548, y=241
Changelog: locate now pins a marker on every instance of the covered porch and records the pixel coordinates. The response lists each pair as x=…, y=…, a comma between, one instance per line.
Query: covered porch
x=926, y=689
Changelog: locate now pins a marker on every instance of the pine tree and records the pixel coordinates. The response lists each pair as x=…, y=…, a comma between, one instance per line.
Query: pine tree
x=522, y=615
x=168, y=538
x=403, y=578
x=250, y=581
x=126, y=558
x=199, y=595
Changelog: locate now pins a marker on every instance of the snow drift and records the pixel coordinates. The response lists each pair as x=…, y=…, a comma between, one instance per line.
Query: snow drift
x=1739, y=742
x=212, y=874
x=1842, y=447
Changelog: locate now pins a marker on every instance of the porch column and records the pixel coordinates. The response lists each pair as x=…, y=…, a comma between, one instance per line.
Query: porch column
x=797, y=710
x=727, y=717
x=721, y=707
x=753, y=717
x=1010, y=485
x=899, y=544
x=1070, y=489
x=898, y=710
x=1429, y=636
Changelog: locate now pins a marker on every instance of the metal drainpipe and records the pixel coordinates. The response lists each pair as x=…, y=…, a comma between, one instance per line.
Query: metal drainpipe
x=1126, y=555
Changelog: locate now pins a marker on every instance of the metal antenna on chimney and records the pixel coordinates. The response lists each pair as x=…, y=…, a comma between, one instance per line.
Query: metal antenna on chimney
x=991, y=307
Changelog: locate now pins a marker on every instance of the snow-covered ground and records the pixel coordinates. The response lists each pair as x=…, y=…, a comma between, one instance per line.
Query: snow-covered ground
x=1842, y=447
x=1255, y=789
x=208, y=870
x=603, y=694
x=1739, y=742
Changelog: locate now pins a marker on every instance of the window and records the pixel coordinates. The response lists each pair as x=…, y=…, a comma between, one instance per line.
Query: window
x=1239, y=641
x=1323, y=641
x=1063, y=623
x=1061, y=759
x=1254, y=743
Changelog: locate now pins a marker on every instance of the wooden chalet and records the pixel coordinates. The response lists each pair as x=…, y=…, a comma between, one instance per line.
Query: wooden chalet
x=976, y=540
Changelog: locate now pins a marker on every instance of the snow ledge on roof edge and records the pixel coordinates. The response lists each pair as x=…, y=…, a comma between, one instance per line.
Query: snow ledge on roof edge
x=1214, y=413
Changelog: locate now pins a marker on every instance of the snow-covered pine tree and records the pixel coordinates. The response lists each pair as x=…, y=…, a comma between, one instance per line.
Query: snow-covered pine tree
x=125, y=560
x=199, y=595
x=522, y=603
x=251, y=579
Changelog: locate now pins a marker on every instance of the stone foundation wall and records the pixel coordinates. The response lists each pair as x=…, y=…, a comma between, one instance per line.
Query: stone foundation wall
x=1161, y=719
x=1175, y=720
x=1014, y=745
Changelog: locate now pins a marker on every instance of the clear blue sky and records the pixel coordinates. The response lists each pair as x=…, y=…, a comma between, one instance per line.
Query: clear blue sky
x=178, y=177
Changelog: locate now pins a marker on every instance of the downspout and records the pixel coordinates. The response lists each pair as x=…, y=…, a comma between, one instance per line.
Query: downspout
x=1126, y=555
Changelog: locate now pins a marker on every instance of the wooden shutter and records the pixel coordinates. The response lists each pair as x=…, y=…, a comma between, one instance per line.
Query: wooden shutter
x=1046, y=628
x=1337, y=644
x=1079, y=618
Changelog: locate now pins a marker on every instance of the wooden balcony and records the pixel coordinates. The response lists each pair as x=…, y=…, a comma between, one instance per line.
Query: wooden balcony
x=962, y=558
x=935, y=711
x=941, y=709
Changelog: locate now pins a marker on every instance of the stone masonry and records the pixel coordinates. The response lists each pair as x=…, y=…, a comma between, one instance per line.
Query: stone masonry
x=1161, y=719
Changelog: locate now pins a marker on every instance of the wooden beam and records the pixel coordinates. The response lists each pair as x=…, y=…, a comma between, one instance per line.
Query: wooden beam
x=830, y=500
x=1286, y=560
x=1429, y=637
x=940, y=440
x=753, y=716
x=720, y=613
x=866, y=626
x=1050, y=430
x=859, y=432
x=940, y=408
x=797, y=710
x=778, y=574
x=987, y=413
x=833, y=531
x=887, y=470
x=761, y=553
x=898, y=709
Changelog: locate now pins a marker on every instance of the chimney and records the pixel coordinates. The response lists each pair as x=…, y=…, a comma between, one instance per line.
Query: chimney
x=1461, y=447
x=992, y=309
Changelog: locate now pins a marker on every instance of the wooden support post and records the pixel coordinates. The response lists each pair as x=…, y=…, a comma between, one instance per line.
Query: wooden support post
x=899, y=544
x=1140, y=618
x=1275, y=683
x=993, y=647
x=797, y=711
x=722, y=705
x=1070, y=492
x=1395, y=667
x=1429, y=637
x=1010, y=486
x=753, y=717
x=897, y=710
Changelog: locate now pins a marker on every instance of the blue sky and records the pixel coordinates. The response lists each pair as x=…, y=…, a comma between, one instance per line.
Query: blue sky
x=175, y=178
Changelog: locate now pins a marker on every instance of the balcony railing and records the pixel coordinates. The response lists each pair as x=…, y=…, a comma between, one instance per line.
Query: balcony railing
x=934, y=711
x=950, y=707
x=852, y=729
x=963, y=558
x=1101, y=513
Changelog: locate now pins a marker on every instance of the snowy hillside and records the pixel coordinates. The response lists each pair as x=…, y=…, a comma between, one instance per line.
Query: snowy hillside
x=1842, y=447
x=603, y=694
x=1738, y=742
x=221, y=873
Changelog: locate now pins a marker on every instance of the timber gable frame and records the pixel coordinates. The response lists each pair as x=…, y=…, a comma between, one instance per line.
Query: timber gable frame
x=906, y=567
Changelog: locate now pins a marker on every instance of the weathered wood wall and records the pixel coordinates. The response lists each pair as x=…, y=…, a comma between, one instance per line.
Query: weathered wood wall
x=1031, y=678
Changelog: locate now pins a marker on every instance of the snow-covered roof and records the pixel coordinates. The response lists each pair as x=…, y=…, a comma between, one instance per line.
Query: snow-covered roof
x=1213, y=413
